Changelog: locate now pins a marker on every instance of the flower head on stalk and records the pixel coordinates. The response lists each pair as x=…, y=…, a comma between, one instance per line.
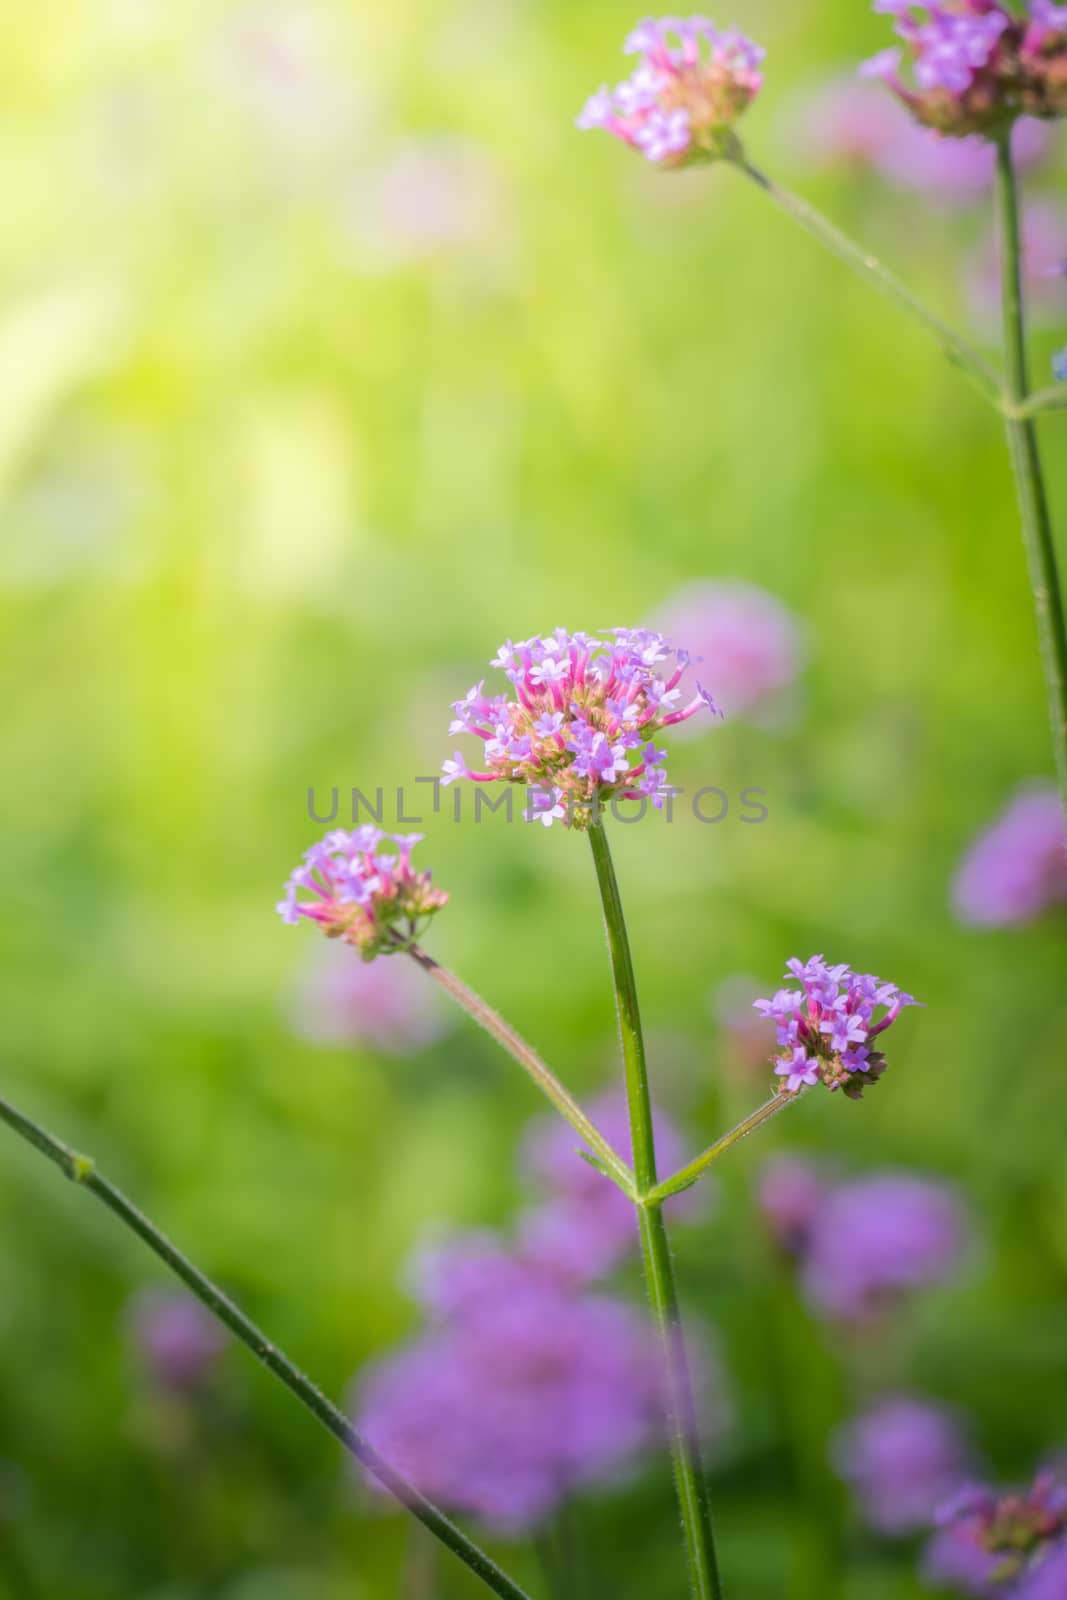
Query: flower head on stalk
x=579, y=727
x=691, y=84
x=363, y=890
x=826, y=1027
x=976, y=65
x=1012, y=1544
x=1059, y=365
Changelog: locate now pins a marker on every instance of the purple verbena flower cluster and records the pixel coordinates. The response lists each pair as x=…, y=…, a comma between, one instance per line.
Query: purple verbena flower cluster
x=692, y=83
x=902, y=1458
x=862, y=1244
x=1012, y=1546
x=1046, y=1577
x=580, y=725
x=1017, y=868
x=825, y=1027
x=976, y=64
x=363, y=890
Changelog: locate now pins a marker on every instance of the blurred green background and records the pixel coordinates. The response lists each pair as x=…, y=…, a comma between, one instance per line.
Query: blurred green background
x=330, y=356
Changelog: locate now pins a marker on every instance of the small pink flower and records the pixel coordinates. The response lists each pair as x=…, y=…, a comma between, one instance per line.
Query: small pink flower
x=363, y=889
x=691, y=85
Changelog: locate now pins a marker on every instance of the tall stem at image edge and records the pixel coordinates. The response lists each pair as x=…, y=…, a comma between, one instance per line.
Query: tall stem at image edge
x=80, y=1170
x=693, y=1501
x=1021, y=430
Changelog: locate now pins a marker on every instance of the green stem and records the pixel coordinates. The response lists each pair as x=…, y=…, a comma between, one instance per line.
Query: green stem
x=1026, y=462
x=1054, y=398
x=873, y=272
x=686, y=1176
x=81, y=1170
x=531, y=1062
x=690, y=1483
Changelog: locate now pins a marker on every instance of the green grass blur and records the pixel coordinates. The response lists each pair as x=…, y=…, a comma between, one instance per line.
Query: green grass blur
x=278, y=474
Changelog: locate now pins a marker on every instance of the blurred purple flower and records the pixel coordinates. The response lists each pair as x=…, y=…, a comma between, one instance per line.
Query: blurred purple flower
x=749, y=645
x=1047, y=1579
x=901, y=1459
x=586, y=1226
x=956, y=1559
x=455, y=1274
x=385, y=1005
x=1059, y=366
x=175, y=1337
x=1044, y=234
x=852, y=122
x=878, y=1238
x=1017, y=867
x=525, y=1395
x=791, y=1191
x=1007, y=1545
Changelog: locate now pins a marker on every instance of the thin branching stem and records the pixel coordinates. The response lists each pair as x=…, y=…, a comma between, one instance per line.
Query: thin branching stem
x=531, y=1063
x=686, y=1176
x=872, y=271
x=82, y=1171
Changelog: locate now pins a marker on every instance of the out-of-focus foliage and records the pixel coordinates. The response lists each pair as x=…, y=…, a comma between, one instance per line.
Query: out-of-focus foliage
x=330, y=356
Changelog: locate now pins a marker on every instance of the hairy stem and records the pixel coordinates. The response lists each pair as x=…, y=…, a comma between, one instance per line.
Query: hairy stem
x=686, y=1176
x=531, y=1062
x=873, y=272
x=81, y=1170
x=690, y=1483
x=1026, y=463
